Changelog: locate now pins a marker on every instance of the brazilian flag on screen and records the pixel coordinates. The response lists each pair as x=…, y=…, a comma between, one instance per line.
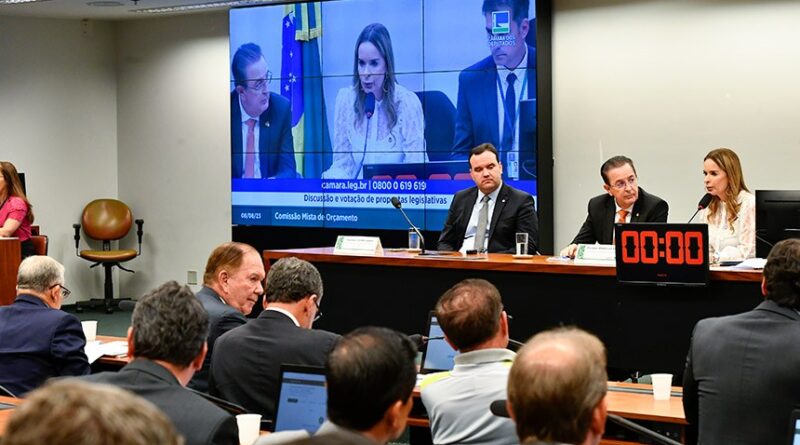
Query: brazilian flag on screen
x=301, y=83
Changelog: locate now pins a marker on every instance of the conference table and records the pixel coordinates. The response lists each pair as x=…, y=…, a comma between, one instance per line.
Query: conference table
x=646, y=329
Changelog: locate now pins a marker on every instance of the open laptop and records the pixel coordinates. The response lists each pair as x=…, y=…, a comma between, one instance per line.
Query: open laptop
x=302, y=399
x=438, y=355
x=794, y=428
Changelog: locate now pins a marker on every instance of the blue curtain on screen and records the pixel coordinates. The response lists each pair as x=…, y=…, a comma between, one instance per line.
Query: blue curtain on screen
x=301, y=83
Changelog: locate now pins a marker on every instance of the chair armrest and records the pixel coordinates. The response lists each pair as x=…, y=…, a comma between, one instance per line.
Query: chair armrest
x=139, y=232
x=77, y=237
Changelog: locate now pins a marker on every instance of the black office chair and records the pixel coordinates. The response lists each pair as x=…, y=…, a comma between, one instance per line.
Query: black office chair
x=107, y=220
x=440, y=124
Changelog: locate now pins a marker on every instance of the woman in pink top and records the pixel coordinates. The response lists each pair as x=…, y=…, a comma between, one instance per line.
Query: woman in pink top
x=16, y=213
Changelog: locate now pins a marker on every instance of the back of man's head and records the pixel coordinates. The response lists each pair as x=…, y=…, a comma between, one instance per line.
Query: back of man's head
x=469, y=313
x=38, y=273
x=291, y=279
x=169, y=324
x=70, y=412
x=782, y=274
x=370, y=370
x=557, y=385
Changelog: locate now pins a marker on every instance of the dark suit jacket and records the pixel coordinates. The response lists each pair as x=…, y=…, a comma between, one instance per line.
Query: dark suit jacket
x=742, y=376
x=221, y=319
x=198, y=420
x=275, y=143
x=599, y=224
x=476, y=112
x=245, y=368
x=38, y=342
x=513, y=212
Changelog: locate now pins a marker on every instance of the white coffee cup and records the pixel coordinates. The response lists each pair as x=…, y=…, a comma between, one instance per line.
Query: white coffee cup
x=662, y=386
x=89, y=329
x=249, y=428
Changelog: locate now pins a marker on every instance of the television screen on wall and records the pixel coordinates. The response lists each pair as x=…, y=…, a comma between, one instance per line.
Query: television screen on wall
x=338, y=106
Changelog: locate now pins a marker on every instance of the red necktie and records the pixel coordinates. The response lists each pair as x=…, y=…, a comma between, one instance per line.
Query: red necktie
x=250, y=154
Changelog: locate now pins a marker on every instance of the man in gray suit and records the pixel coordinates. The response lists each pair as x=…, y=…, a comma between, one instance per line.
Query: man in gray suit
x=245, y=368
x=232, y=283
x=742, y=375
x=167, y=341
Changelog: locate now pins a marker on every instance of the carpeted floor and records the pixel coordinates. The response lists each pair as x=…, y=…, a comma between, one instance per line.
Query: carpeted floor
x=107, y=324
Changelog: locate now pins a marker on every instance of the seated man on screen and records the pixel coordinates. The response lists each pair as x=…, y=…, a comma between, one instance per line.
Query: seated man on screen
x=474, y=323
x=623, y=202
x=232, y=283
x=261, y=121
x=245, y=368
x=487, y=217
x=741, y=380
x=37, y=339
x=167, y=342
x=370, y=378
x=557, y=389
x=490, y=90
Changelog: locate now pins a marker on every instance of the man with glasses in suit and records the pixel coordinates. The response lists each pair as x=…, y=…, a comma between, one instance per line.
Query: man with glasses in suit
x=261, y=121
x=245, y=367
x=37, y=339
x=623, y=202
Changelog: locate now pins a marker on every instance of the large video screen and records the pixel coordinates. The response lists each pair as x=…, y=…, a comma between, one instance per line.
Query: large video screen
x=337, y=106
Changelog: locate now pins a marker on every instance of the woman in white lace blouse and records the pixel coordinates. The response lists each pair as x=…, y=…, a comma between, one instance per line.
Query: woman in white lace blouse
x=395, y=132
x=731, y=215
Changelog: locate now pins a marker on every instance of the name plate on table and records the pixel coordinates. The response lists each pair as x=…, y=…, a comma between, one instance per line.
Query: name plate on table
x=662, y=253
x=597, y=254
x=358, y=245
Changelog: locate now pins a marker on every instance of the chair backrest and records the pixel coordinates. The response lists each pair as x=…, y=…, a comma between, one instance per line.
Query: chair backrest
x=440, y=124
x=106, y=219
x=39, y=244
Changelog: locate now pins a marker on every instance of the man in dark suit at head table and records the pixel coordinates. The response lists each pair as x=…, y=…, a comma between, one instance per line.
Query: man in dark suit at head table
x=245, y=367
x=167, y=341
x=741, y=381
x=489, y=92
x=261, y=121
x=232, y=283
x=623, y=202
x=487, y=217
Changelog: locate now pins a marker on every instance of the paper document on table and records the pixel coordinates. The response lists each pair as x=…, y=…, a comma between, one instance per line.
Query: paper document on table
x=96, y=349
x=751, y=263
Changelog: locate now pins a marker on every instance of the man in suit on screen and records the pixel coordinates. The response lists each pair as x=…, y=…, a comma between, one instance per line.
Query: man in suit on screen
x=741, y=380
x=623, y=202
x=487, y=217
x=489, y=92
x=261, y=121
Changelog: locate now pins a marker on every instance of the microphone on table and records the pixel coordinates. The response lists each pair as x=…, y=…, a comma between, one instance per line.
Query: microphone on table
x=704, y=202
x=369, y=110
x=396, y=203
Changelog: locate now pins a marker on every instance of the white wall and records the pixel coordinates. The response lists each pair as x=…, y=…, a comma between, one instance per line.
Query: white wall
x=664, y=82
x=58, y=124
x=174, y=142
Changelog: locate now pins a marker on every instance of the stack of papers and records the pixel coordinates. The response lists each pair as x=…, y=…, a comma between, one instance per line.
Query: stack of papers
x=96, y=349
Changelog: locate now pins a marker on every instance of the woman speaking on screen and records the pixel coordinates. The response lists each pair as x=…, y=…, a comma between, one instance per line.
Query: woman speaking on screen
x=731, y=215
x=16, y=214
x=377, y=121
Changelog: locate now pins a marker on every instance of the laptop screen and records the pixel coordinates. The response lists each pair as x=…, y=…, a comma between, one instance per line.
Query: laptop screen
x=438, y=353
x=794, y=433
x=302, y=399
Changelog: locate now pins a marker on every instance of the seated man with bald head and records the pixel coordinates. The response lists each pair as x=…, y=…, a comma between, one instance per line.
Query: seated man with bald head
x=474, y=323
x=232, y=283
x=557, y=389
x=37, y=339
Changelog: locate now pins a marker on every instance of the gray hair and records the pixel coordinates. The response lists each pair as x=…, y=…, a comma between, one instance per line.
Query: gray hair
x=291, y=279
x=38, y=273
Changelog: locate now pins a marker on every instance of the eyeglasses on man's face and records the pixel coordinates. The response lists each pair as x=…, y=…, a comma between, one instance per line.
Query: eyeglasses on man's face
x=622, y=183
x=319, y=312
x=64, y=291
x=259, y=85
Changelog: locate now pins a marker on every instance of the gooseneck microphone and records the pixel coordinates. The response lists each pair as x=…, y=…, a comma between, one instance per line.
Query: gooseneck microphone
x=369, y=110
x=396, y=203
x=704, y=202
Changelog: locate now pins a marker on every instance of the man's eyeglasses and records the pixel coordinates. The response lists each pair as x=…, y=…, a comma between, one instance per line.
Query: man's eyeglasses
x=319, y=312
x=64, y=291
x=260, y=85
x=622, y=183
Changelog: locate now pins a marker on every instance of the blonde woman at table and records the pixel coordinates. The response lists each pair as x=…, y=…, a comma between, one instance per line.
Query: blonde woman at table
x=731, y=215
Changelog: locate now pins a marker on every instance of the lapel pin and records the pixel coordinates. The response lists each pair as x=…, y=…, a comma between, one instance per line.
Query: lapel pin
x=266, y=123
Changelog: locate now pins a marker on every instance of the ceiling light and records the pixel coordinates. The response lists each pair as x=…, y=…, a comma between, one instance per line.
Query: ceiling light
x=200, y=6
x=16, y=2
